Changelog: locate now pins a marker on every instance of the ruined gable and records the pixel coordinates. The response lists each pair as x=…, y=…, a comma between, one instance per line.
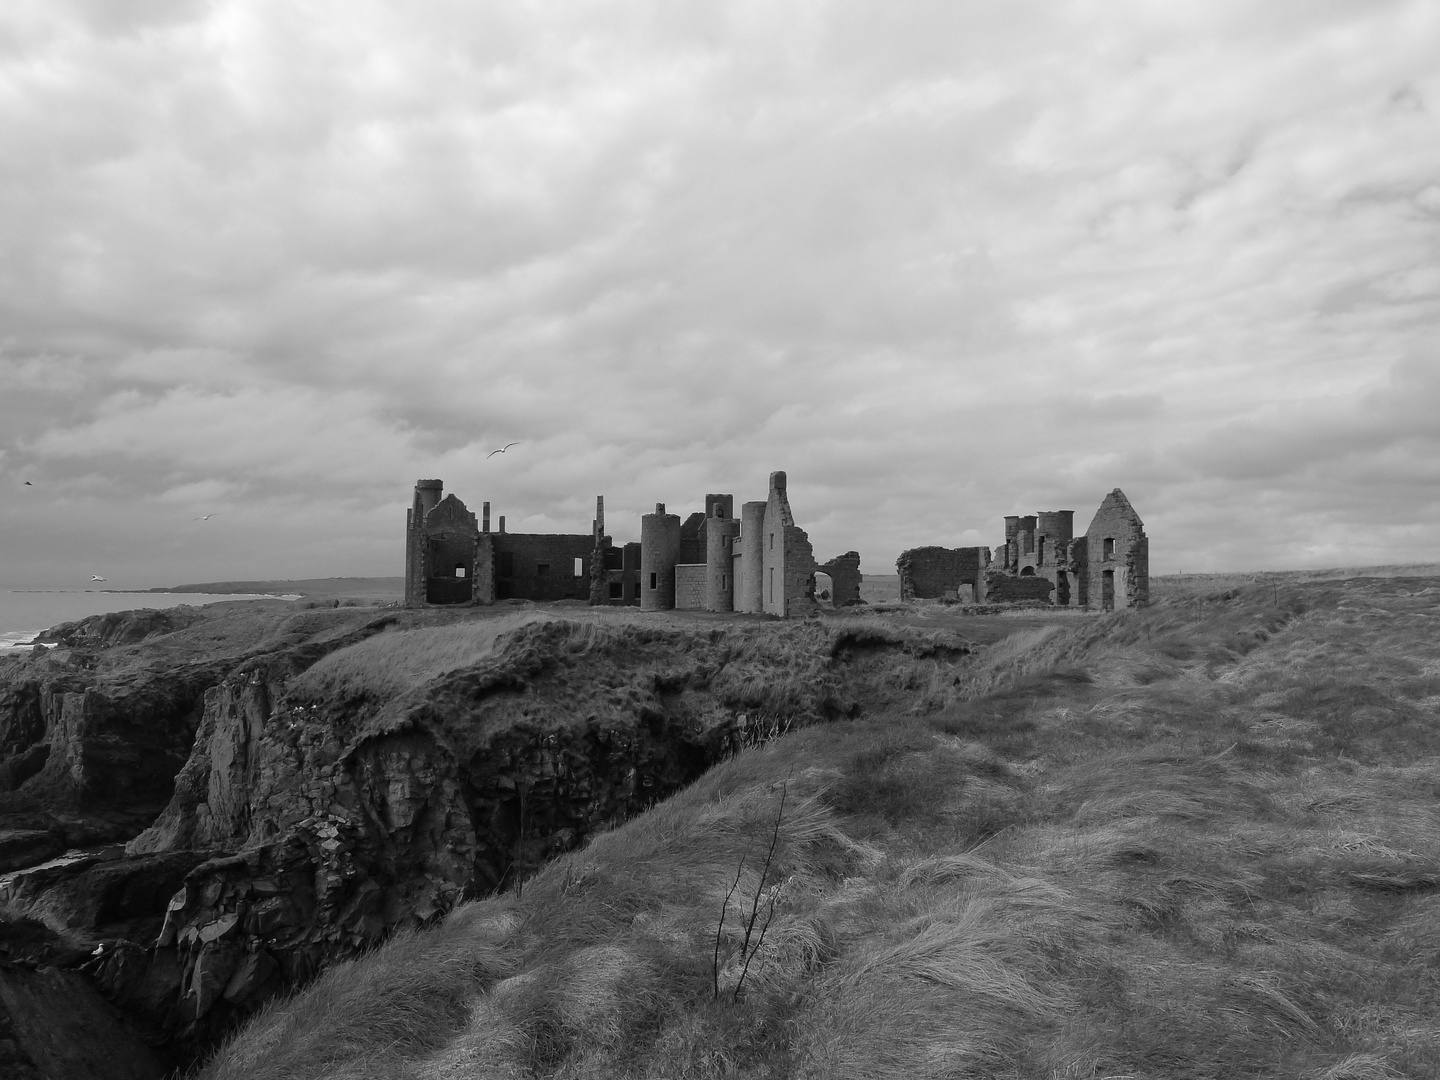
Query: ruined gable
x=1041, y=559
x=1117, y=555
x=789, y=559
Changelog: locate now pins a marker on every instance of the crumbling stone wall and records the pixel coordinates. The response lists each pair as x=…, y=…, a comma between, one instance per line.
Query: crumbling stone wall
x=1116, y=543
x=693, y=539
x=1001, y=588
x=618, y=569
x=1107, y=567
x=541, y=566
x=427, y=495
x=450, y=559
x=936, y=573
x=789, y=560
x=845, y=578
x=440, y=548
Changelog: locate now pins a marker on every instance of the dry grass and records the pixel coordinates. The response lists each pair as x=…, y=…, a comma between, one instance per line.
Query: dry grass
x=395, y=661
x=1195, y=841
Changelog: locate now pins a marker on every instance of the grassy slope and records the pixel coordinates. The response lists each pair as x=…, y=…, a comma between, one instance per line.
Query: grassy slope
x=1194, y=841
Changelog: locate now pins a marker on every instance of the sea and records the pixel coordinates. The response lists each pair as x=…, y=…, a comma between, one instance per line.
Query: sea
x=26, y=613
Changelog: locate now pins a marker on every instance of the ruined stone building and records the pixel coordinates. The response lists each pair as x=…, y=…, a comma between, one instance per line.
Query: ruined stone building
x=1041, y=559
x=450, y=558
x=759, y=562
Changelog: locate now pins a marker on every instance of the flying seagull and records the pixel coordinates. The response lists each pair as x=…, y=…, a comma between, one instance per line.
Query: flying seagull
x=207, y=517
x=96, y=577
x=28, y=484
x=502, y=449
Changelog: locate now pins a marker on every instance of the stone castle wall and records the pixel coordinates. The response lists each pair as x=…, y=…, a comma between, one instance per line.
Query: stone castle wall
x=937, y=573
x=690, y=586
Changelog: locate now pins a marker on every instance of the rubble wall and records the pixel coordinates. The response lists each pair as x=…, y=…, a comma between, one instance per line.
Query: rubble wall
x=1002, y=588
x=541, y=566
x=845, y=578
x=935, y=573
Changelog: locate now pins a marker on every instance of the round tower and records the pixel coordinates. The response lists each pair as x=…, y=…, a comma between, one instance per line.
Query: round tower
x=659, y=552
x=720, y=533
x=427, y=494
x=1057, y=525
x=749, y=579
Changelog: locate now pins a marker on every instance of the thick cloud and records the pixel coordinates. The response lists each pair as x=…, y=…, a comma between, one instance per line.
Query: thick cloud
x=939, y=261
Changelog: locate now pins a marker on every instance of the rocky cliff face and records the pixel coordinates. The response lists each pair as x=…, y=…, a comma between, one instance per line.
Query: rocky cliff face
x=312, y=816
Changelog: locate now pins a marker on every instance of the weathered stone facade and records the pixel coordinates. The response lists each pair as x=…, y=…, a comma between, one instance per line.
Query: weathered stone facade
x=845, y=578
x=1042, y=559
x=452, y=559
x=937, y=573
x=760, y=562
x=690, y=586
x=1118, y=555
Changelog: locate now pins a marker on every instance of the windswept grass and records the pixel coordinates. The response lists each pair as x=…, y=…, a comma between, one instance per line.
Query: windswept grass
x=394, y=661
x=1199, y=840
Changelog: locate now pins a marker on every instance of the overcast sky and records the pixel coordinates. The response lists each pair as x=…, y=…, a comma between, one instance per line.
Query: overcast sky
x=275, y=260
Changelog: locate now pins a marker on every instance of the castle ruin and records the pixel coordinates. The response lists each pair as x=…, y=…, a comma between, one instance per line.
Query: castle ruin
x=1042, y=559
x=760, y=562
x=450, y=558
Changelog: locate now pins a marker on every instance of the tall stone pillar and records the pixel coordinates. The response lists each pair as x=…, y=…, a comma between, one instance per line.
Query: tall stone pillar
x=748, y=576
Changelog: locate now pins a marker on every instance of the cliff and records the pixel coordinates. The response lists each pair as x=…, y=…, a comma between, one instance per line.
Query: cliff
x=1195, y=839
x=295, y=786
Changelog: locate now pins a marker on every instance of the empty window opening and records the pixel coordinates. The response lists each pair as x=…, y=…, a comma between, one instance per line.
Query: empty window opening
x=542, y=569
x=772, y=541
x=459, y=571
x=772, y=577
x=652, y=581
x=724, y=582
x=1109, y=552
x=1027, y=571
x=579, y=567
x=1040, y=552
x=617, y=590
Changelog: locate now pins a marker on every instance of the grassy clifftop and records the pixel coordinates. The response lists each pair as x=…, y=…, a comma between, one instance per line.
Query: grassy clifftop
x=1197, y=840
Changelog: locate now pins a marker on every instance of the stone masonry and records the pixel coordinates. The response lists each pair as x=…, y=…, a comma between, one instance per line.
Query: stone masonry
x=1042, y=559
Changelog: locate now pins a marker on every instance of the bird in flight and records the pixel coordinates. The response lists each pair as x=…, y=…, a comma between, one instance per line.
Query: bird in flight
x=207, y=517
x=27, y=484
x=502, y=449
x=96, y=577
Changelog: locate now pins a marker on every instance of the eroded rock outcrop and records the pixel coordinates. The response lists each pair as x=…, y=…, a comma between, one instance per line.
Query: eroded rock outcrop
x=352, y=814
x=312, y=817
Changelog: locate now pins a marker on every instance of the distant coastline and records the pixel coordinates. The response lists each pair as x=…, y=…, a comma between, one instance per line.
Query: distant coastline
x=359, y=587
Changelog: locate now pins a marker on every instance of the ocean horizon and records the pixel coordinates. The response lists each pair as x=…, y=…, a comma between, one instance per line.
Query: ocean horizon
x=27, y=613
